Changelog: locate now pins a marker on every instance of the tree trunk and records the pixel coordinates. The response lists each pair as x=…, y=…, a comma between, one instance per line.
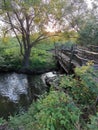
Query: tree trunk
x=26, y=59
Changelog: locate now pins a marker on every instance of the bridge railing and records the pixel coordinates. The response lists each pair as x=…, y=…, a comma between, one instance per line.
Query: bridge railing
x=78, y=53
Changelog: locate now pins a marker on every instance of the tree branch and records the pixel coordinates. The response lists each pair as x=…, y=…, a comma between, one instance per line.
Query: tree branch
x=42, y=38
x=12, y=26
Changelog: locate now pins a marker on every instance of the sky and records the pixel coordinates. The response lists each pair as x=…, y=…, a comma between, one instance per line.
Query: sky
x=89, y=3
x=51, y=29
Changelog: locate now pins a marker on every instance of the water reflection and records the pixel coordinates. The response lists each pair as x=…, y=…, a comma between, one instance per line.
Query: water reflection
x=17, y=91
x=12, y=85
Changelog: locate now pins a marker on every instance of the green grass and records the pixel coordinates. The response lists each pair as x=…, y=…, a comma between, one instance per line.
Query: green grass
x=41, y=58
x=45, y=45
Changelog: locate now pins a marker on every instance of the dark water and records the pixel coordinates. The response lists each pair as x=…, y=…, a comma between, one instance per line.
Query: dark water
x=17, y=91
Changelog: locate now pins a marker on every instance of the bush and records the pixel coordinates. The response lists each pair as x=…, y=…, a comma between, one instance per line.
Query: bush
x=55, y=111
x=82, y=88
x=94, y=122
x=10, y=58
x=63, y=109
x=41, y=59
x=89, y=34
x=2, y=121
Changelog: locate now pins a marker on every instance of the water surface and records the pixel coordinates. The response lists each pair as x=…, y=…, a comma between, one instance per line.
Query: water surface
x=17, y=91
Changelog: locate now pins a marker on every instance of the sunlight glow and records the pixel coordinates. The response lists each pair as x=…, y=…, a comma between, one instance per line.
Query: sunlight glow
x=89, y=2
x=50, y=29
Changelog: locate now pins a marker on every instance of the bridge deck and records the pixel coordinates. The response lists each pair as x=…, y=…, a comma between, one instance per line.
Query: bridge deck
x=75, y=57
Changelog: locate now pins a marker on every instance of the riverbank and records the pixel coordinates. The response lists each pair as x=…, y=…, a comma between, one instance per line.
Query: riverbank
x=72, y=100
x=28, y=71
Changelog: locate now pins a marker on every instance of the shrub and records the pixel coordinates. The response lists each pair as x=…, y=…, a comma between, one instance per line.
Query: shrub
x=10, y=58
x=2, y=121
x=41, y=59
x=94, y=122
x=89, y=34
x=55, y=111
x=82, y=88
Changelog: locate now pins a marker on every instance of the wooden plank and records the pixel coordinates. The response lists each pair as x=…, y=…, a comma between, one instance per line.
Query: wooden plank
x=86, y=51
x=63, y=67
x=80, y=57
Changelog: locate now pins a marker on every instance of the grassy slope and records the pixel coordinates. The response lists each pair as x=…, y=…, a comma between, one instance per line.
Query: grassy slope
x=41, y=58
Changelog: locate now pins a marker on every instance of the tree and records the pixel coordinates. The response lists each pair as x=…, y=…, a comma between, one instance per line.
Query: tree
x=89, y=34
x=76, y=14
x=27, y=19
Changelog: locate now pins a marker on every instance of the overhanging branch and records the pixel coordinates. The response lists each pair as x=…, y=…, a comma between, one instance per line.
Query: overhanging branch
x=42, y=37
x=12, y=26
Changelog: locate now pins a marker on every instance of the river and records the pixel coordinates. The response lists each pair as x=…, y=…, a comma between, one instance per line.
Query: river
x=18, y=91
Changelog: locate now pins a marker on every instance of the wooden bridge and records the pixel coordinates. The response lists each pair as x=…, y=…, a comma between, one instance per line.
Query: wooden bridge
x=71, y=57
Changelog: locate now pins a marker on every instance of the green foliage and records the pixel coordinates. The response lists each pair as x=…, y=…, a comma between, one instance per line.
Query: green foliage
x=41, y=59
x=45, y=45
x=69, y=44
x=83, y=88
x=89, y=34
x=94, y=122
x=70, y=35
x=2, y=121
x=9, y=54
x=63, y=109
x=55, y=111
x=65, y=45
x=10, y=58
